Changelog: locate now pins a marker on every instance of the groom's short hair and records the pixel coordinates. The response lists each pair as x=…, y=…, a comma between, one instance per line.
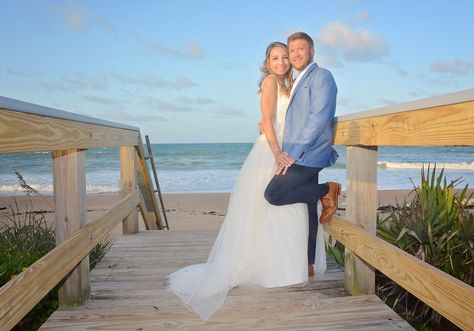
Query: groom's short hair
x=301, y=35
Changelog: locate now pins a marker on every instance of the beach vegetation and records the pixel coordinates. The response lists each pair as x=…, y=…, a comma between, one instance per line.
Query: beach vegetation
x=436, y=226
x=26, y=236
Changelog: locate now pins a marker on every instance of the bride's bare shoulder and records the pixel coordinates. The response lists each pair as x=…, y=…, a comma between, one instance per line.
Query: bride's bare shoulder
x=269, y=83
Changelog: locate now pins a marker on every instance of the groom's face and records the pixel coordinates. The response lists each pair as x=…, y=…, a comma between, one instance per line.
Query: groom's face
x=301, y=53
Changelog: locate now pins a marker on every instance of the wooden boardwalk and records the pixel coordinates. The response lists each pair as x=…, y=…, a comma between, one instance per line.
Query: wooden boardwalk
x=128, y=292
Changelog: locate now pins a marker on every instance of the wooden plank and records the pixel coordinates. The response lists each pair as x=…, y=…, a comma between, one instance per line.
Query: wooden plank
x=30, y=108
x=22, y=293
x=152, y=214
x=296, y=313
x=447, y=295
x=448, y=125
x=22, y=132
x=361, y=209
x=129, y=292
x=128, y=184
x=157, y=184
x=435, y=101
x=69, y=182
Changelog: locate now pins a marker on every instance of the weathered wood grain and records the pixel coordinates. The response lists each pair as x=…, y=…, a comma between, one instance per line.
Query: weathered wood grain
x=449, y=125
x=361, y=209
x=444, y=293
x=23, y=132
x=149, y=206
x=19, y=296
x=129, y=292
x=69, y=180
x=302, y=313
x=128, y=184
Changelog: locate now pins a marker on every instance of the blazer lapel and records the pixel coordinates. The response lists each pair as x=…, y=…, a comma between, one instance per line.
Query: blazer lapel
x=300, y=83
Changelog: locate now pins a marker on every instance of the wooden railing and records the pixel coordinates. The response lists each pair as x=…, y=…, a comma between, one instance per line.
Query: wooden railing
x=446, y=120
x=26, y=127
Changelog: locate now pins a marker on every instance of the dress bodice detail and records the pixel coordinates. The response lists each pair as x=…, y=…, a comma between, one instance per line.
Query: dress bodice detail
x=282, y=105
x=280, y=115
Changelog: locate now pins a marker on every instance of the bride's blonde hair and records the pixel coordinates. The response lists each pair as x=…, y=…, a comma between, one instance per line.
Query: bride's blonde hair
x=285, y=83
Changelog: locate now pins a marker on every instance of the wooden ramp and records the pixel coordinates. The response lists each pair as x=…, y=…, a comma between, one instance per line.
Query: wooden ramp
x=128, y=292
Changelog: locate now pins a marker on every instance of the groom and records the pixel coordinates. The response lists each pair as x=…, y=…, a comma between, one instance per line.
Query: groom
x=307, y=141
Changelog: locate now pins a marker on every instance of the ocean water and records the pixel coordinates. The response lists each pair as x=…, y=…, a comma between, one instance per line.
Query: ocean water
x=214, y=167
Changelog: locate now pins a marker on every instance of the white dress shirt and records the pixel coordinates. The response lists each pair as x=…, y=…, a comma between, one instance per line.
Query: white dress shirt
x=297, y=80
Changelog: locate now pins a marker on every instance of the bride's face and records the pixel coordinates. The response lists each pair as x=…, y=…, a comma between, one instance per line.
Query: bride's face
x=279, y=61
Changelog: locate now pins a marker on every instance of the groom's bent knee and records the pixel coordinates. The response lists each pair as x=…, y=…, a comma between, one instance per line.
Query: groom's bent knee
x=272, y=196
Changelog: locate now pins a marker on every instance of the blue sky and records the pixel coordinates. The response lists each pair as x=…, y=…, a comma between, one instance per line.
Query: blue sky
x=187, y=71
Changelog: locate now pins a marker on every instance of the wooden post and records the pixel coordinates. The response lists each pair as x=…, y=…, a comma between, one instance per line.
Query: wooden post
x=69, y=181
x=361, y=209
x=128, y=184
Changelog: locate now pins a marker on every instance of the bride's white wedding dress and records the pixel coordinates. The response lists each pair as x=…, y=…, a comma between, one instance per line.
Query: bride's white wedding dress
x=258, y=244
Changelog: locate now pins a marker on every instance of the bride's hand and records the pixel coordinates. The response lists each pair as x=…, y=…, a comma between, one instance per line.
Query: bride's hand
x=283, y=161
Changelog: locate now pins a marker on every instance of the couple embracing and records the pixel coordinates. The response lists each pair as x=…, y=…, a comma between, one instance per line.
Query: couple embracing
x=270, y=235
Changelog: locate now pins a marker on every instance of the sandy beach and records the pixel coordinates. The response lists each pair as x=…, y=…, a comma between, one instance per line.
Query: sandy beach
x=184, y=210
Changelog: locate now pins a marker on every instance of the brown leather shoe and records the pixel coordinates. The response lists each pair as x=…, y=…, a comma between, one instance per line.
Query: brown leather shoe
x=330, y=202
x=310, y=270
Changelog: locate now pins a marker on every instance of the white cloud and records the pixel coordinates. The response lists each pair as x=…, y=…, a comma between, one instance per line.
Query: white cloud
x=15, y=73
x=196, y=101
x=84, y=83
x=454, y=67
x=353, y=45
x=362, y=16
x=183, y=82
x=122, y=116
x=329, y=61
x=78, y=17
x=150, y=81
x=228, y=111
x=104, y=101
x=195, y=51
x=190, y=52
x=166, y=106
x=205, y=101
x=75, y=83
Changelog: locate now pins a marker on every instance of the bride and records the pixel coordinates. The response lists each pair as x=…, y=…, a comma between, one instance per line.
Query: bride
x=258, y=244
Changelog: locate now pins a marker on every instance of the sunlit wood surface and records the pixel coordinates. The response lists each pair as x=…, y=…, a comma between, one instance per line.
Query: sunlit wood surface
x=129, y=293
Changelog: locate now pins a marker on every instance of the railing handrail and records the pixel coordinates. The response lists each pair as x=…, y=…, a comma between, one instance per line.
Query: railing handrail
x=444, y=120
x=435, y=101
x=23, y=292
x=30, y=108
x=26, y=127
x=429, y=122
x=446, y=294
x=366, y=128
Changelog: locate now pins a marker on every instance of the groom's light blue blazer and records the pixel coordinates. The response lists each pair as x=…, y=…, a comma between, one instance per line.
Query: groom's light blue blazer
x=309, y=119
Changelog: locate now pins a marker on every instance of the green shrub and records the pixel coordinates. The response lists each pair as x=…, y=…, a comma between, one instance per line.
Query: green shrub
x=437, y=228
x=24, y=238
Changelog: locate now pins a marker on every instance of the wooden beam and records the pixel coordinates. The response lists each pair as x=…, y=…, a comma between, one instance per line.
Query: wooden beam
x=69, y=181
x=361, y=209
x=22, y=293
x=152, y=218
x=448, y=125
x=447, y=295
x=128, y=184
x=22, y=132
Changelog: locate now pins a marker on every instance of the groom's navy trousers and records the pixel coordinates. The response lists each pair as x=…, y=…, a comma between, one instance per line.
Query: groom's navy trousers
x=299, y=184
